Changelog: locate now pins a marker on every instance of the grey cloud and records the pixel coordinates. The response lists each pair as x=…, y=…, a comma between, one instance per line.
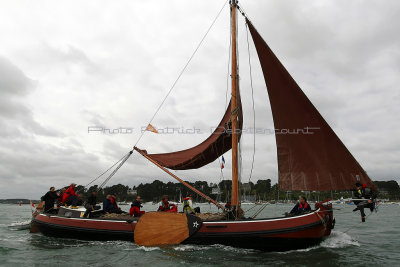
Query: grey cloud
x=17, y=117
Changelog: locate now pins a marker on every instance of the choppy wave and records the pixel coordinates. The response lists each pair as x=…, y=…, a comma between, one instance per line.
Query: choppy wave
x=212, y=247
x=147, y=248
x=339, y=240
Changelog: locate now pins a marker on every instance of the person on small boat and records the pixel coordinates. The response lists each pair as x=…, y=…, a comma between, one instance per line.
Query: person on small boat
x=70, y=197
x=188, y=205
x=114, y=205
x=135, y=208
x=363, y=192
x=228, y=206
x=49, y=199
x=301, y=207
x=107, y=206
x=165, y=205
x=91, y=204
x=79, y=202
x=60, y=197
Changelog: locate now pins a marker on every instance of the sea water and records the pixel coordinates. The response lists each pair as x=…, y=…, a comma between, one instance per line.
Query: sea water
x=352, y=243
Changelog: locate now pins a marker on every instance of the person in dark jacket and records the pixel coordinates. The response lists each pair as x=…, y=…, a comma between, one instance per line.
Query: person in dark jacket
x=363, y=192
x=301, y=207
x=107, y=206
x=49, y=198
x=60, y=196
x=228, y=206
x=115, y=208
x=91, y=204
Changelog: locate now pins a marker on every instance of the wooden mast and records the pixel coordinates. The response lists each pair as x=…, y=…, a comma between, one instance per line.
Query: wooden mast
x=234, y=112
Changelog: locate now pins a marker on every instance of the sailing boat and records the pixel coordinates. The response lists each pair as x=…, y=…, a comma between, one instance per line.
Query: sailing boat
x=307, y=161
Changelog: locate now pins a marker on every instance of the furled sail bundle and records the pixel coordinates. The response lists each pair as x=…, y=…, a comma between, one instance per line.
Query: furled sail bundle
x=314, y=158
x=219, y=142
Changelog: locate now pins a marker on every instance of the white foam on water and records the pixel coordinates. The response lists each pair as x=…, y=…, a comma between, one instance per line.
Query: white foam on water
x=147, y=248
x=186, y=247
x=190, y=248
x=339, y=240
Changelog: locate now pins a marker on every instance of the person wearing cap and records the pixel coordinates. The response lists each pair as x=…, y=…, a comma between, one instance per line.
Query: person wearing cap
x=363, y=192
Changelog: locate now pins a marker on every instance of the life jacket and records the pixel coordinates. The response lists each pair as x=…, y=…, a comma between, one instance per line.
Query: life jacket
x=186, y=205
x=172, y=208
x=186, y=202
x=164, y=207
x=135, y=211
x=301, y=205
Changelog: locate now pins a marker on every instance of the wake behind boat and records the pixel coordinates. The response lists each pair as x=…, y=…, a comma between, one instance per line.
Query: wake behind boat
x=20, y=225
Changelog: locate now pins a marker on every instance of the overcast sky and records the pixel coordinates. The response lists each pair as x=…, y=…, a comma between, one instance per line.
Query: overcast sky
x=69, y=65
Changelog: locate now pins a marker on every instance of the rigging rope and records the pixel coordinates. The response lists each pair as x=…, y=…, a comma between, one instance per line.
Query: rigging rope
x=252, y=97
x=183, y=70
x=229, y=64
x=106, y=171
x=259, y=211
x=116, y=169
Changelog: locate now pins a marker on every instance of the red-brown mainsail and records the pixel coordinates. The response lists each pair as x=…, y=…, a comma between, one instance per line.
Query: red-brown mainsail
x=219, y=142
x=317, y=161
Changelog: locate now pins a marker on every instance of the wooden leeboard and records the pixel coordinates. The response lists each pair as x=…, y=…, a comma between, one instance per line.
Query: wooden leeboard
x=164, y=228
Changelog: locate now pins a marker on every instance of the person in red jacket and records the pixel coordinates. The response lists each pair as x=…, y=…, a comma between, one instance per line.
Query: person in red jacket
x=70, y=197
x=135, y=208
x=165, y=205
x=114, y=205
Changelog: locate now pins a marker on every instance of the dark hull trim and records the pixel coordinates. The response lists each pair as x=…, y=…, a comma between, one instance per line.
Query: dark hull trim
x=58, y=230
x=257, y=233
x=260, y=240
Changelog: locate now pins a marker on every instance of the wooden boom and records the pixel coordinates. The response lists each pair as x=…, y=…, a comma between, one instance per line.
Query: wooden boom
x=180, y=180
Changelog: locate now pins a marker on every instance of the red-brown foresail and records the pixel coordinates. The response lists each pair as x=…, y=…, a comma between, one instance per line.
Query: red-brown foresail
x=206, y=152
x=310, y=154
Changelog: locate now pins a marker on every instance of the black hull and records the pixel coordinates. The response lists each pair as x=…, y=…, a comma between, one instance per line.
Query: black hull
x=55, y=230
x=242, y=241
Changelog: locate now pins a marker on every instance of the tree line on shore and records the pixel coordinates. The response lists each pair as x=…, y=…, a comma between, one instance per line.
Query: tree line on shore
x=262, y=190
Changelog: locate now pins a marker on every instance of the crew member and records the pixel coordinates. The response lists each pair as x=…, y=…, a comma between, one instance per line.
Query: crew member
x=114, y=205
x=228, y=206
x=164, y=204
x=301, y=207
x=188, y=205
x=49, y=199
x=363, y=192
x=107, y=206
x=70, y=197
x=60, y=197
x=135, y=208
x=91, y=204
